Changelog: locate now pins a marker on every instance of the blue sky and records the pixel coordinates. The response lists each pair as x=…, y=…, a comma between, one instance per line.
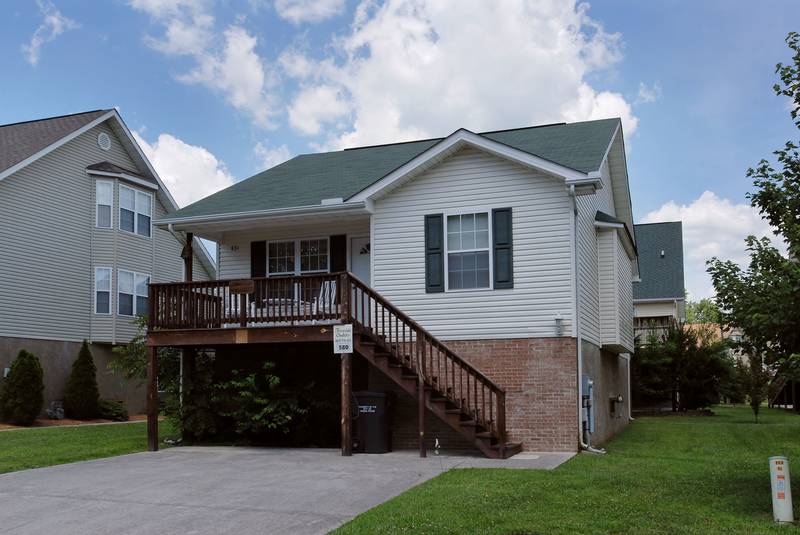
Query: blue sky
x=218, y=90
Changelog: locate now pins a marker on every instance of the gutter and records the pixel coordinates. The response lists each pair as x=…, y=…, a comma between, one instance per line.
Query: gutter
x=581, y=443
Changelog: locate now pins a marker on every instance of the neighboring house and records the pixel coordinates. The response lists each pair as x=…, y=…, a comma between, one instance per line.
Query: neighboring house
x=658, y=295
x=77, y=202
x=493, y=268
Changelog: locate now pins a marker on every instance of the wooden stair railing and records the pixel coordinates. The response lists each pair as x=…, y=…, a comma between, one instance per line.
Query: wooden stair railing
x=457, y=392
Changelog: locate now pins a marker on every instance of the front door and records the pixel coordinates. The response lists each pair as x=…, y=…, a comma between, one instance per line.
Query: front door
x=359, y=258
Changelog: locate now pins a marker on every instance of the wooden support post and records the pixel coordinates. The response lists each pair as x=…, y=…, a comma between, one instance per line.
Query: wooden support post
x=347, y=434
x=421, y=393
x=188, y=257
x=152, y=399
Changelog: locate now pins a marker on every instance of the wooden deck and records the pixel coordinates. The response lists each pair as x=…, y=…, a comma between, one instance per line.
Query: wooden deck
x=304, y=309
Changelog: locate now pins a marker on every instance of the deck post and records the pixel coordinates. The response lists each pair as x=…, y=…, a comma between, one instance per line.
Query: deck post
x=152, y=399
x=421, y=395
x=347, y=435
x=188, y=256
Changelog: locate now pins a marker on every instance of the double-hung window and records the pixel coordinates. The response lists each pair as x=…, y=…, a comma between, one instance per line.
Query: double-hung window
x=296, y=257
x=102, y=290
x=104, y=199
x=468, y=251
x=135, y=209
x=132, y=293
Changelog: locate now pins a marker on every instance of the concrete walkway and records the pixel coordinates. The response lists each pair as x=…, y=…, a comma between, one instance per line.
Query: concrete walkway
x=211, y=490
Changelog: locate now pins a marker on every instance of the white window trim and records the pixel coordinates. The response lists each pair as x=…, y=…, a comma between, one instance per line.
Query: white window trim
x=97, y=205
x=110, y=290
x=297, y=270
x=465, y=211
x=135, y=295
x=136, y=212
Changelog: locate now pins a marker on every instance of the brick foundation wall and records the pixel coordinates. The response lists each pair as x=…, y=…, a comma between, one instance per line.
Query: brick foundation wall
x=539, y=376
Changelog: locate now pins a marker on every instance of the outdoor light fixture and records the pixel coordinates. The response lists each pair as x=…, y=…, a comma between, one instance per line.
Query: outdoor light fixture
x=559, y=325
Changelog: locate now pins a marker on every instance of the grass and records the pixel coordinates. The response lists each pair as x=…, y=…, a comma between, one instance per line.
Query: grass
x=33, y=448
x=661, y=475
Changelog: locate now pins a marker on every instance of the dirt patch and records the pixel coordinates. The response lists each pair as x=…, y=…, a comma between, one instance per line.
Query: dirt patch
x=46, y=422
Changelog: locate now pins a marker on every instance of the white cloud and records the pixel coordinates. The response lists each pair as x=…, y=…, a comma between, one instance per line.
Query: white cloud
x=189, y=172
x=314, y=106
x=53, y=24
x=414, y=68
x=648, y=93
x=226, y=62
x=298, y=11
x=712, y=226
x=269, y=157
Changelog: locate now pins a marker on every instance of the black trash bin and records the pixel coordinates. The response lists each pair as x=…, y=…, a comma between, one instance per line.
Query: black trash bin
x=371, y=426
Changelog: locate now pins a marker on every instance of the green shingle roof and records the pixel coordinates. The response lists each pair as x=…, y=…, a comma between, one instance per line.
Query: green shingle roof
x=308, y=179
x=661, y=276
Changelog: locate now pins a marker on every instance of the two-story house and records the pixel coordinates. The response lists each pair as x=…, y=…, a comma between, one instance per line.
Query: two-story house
x=487, y=277
x=78, y=246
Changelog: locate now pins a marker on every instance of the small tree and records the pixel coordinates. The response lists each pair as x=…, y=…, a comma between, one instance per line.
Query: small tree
x=82, y=395
x=754, y=380
x=703, y=311
x=22, y=397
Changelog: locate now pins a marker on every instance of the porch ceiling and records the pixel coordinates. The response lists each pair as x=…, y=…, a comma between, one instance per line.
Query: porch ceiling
x=323, y=216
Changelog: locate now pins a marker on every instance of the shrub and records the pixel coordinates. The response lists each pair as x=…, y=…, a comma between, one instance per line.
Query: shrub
x=109, y=409
x=81, y=397
x=22, y=397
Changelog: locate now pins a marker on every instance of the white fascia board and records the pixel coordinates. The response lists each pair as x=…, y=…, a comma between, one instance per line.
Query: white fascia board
x=659, y=300
x=124, y=176
x=356, y=207
x=53, y=146
x=464, y=137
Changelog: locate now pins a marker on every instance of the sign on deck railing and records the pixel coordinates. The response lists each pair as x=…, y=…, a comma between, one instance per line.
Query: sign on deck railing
x=343, y=338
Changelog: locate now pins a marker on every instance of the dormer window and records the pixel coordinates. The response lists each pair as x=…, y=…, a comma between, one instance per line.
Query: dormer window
x=104, y=199
x=135, y=209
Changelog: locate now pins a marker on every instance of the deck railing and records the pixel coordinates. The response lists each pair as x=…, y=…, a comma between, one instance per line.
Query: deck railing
x=333, y=298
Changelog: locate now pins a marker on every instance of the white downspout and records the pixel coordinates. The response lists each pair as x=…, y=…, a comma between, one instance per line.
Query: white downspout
x=583, y=445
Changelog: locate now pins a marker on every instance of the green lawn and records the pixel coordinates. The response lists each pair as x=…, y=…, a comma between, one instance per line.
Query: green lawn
x=33, y=448
x=661, y=475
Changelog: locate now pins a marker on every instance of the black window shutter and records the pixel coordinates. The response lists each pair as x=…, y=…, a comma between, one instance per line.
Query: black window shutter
x=503, y=250
x=338, y=252
x=258, y=259
x=434, y=253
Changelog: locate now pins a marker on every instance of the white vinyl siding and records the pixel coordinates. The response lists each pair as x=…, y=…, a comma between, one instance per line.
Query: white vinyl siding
x=47, y=276
x=615, y=292
x=470, y=182
x=234, y=249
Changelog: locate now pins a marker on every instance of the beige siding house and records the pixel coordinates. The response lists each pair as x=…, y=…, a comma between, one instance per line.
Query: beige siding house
x=77, y=205
x=509, y=253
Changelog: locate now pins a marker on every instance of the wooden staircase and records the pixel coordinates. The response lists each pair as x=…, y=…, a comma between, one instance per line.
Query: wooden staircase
x=443, y=383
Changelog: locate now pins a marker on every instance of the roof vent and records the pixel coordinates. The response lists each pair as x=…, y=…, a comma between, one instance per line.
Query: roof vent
x=662, y=253
x=103, y=141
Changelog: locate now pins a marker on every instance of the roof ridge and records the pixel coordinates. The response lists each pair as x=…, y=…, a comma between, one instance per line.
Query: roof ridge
x=658, y=223
x=487, y=132
x=54, y=117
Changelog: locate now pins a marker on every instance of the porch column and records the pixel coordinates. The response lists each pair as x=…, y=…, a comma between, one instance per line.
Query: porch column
x=347, y=437
x=152, y=399
x=188, y=256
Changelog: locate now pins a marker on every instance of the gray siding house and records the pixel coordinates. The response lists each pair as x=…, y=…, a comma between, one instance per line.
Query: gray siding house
x=77, y=203
x=658, y=295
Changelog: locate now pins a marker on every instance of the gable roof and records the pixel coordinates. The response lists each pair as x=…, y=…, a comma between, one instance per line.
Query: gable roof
x=25, y=142
x=661, y=276
x=19, y=141
x=308, y=179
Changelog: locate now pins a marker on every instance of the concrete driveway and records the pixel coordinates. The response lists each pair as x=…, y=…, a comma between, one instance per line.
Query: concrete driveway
x=219, y=490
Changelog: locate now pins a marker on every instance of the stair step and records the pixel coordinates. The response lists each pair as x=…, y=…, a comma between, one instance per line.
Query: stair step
x=484, y=434
x=468, y=423
x=453, y=411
